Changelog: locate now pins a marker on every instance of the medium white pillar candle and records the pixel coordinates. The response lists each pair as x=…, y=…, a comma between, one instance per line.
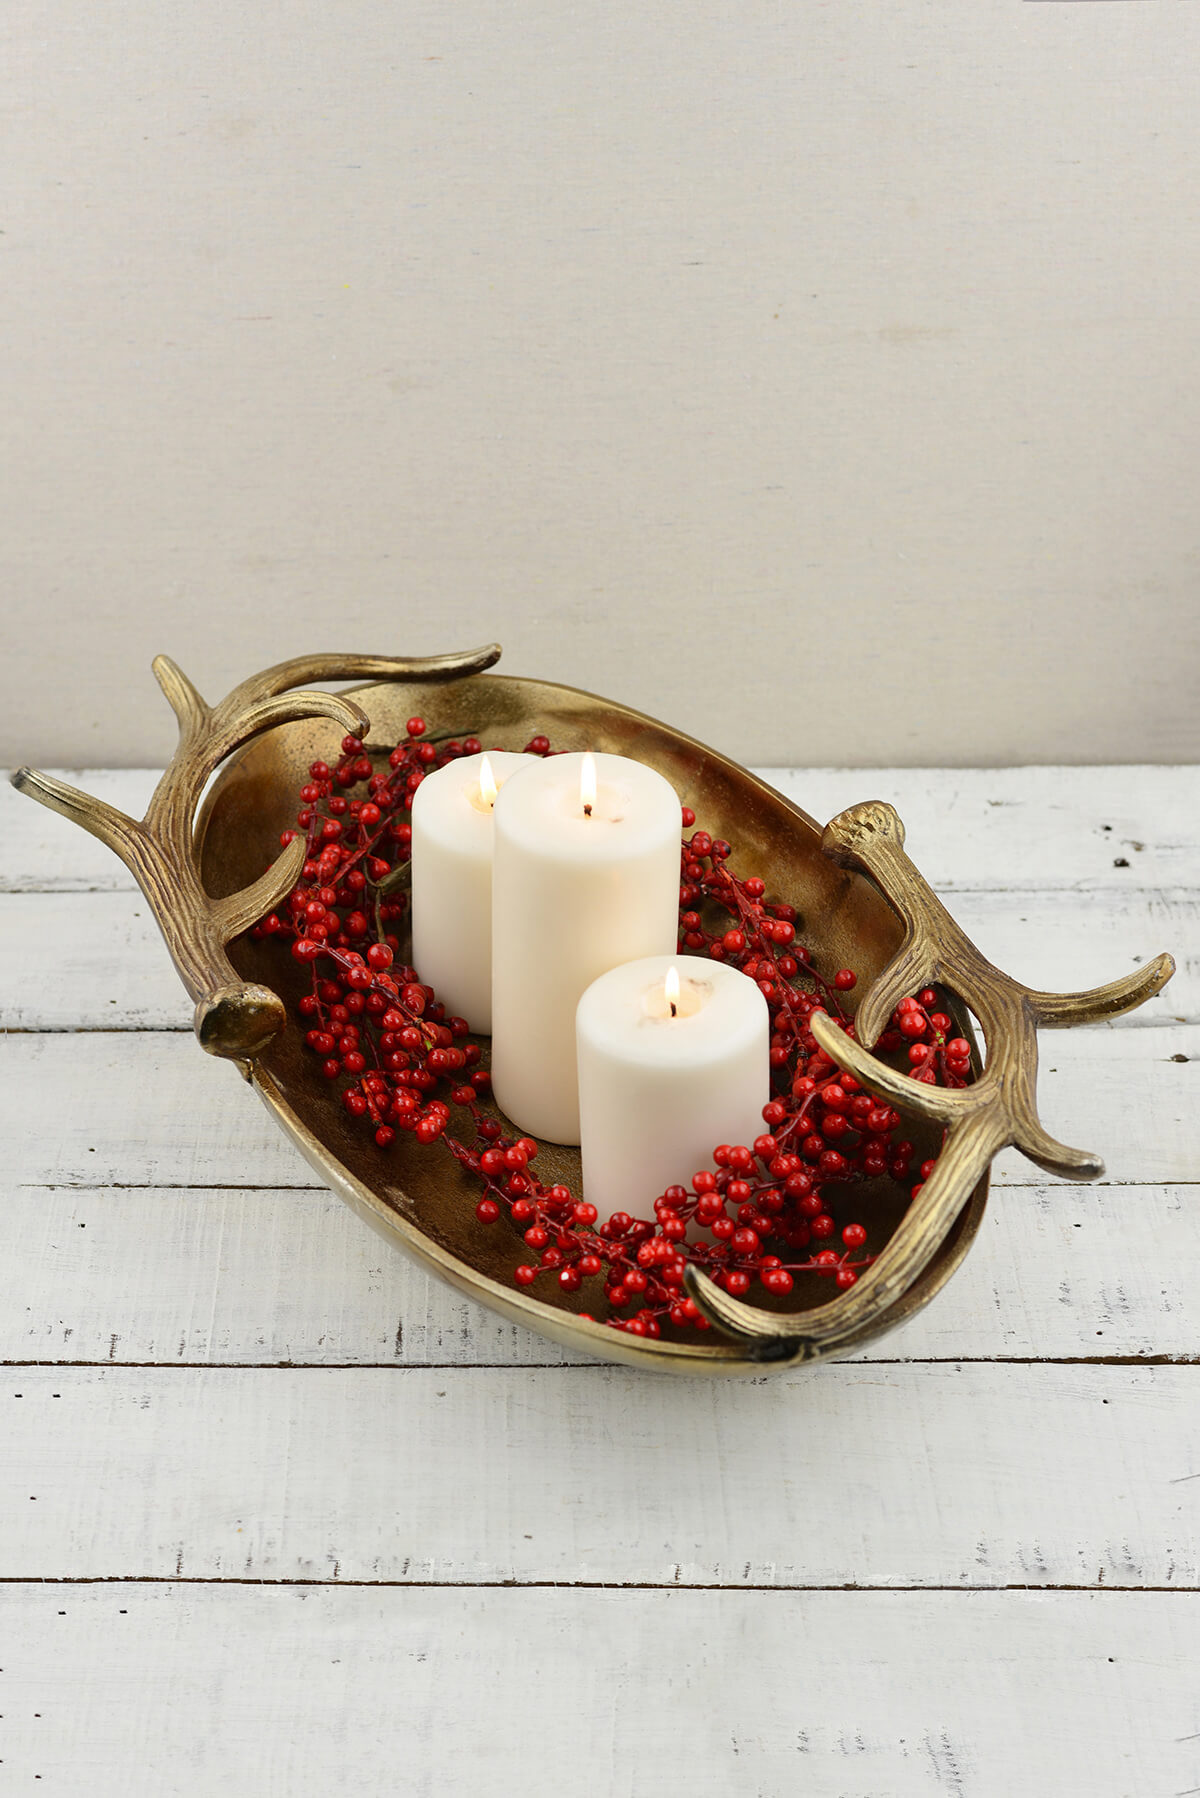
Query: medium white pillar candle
x=586, y=876
x=674, y=1058
x=452, y=836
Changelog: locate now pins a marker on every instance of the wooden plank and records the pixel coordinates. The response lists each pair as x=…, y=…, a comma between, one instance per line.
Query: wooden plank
x=967, y=827
x=149, y=1109
x=1024, y=827
x=929, y=1475
x=96, y=961
x=262, y=1278
x=86, y=961
x=299, y=1692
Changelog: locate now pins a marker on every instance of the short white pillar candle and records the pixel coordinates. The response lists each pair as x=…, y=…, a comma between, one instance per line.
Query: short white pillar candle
x=452, y=836
x=586, y=876
x=674, y=1058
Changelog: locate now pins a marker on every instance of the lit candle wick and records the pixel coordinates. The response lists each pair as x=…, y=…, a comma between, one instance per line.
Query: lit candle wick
x=587, y=783
x=671, y=990
x=487, y=784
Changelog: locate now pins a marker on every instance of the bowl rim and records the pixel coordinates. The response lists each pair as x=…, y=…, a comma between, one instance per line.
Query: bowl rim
x=720, y=1357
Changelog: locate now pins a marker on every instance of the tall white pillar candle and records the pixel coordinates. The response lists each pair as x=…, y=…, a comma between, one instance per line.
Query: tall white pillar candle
x=674, y=1058
x=452, y=835
x=586, y=876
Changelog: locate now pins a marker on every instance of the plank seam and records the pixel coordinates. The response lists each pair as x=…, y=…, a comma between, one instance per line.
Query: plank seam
x=568, y=1585
x=601, y=1367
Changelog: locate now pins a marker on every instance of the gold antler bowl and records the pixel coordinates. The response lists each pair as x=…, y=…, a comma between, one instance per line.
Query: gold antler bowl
x=862, y=904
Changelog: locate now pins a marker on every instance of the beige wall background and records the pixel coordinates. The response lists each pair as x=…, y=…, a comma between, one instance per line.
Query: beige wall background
x=821, y=377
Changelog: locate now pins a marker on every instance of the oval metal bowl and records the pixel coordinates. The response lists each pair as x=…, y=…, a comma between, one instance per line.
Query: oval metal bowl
x=862, y=904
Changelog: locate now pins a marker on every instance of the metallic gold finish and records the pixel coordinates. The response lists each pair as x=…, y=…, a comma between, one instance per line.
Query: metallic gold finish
x=998, y=1109
x=232, y=1018
x=861, y=903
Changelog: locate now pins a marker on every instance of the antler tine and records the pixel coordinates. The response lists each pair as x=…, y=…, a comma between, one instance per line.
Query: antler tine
x=892, y=1083
x=1058, y=1010
x=302, y=671
x=870, y=838
x=120, y=833
x=806, y=1335
x=998, y=1109
x=1043, y=1149
x=233, y=1018
x=237, y=912
x=907, y=972
x=184, y=700
x=268, y=699
x=230, y=728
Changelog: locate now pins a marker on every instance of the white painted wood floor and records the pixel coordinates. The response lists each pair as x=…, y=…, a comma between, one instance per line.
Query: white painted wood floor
x=280, y=1517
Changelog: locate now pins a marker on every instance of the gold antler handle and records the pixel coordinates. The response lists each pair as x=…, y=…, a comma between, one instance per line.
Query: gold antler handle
x=233, y=1017
x=999, y=1109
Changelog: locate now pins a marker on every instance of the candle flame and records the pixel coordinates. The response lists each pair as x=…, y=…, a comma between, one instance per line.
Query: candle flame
x=671, y=990
x=587, y=783
x=487, y=783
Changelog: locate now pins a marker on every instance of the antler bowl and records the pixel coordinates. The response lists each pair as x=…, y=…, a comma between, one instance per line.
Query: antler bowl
x=861, y=904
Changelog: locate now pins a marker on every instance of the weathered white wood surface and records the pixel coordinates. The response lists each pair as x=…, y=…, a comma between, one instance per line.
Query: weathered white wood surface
x=968, y=828
x=148, y=1109
x=899, y=1475
x=309, y=1691
x=171, y=1275
x=96, y=961
x=224, y=1378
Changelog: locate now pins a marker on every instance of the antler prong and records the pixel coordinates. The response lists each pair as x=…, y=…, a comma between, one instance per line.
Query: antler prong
x=891, y=1083
x=1056, y=1157
x=233, y=1018
x=1058, y=1010
x=237, y=912
x=302, y=671
x=805, y=1335
x=234, y=728
x=998, y=1109
x=906, y=974
x=182, y=696
x=120, y=833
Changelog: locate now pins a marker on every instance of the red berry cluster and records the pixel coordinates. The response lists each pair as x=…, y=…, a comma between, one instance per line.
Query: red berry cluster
x=764, y=1212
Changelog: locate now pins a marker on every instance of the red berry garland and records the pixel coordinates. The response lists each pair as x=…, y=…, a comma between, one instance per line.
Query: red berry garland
x=768, y=1208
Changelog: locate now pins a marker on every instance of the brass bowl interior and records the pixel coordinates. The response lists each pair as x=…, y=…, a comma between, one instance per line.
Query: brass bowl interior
x=421, y=1198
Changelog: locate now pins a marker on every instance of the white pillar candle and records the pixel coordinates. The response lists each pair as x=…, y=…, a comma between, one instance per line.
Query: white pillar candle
x=452, y=836
x=586, y=876
x=674, y=1058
